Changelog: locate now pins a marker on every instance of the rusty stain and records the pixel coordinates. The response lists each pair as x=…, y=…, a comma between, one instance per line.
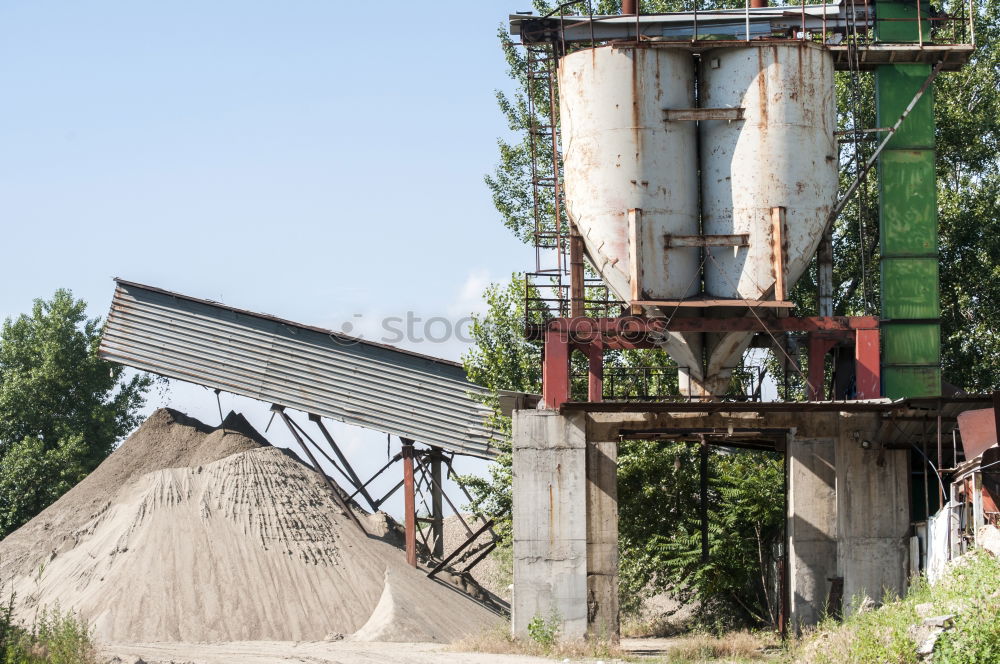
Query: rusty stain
x=636, y=99
x=552, y=520
x=762, y=87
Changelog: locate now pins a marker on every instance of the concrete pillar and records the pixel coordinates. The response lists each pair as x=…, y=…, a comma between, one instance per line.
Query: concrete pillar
x=874, y=507
x=550, y=521
x=602, y=541
x=812, y=526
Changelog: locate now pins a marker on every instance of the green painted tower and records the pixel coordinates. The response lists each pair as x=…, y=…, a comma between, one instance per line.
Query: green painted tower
x=908, y=219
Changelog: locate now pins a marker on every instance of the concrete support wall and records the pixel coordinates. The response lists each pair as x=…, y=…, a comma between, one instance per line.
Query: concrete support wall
x=550, y=521
x=848, y=512
x=812, y=526
x=602, y=541
x=848, y=517
x=874, y=498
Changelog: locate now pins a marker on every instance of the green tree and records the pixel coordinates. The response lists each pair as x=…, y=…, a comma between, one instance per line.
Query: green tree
x=967, y=110
x=660, y=528
x=62, y=408
x=501, y=359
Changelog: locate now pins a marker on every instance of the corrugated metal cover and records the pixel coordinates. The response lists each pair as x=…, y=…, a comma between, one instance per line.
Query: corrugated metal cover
x=310, y=369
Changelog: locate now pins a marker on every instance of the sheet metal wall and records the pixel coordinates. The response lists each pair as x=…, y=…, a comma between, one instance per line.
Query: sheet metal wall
x=908, y=218
x=309, y=369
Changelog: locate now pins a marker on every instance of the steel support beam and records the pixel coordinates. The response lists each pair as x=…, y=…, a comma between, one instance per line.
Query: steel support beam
x=334, y=490
x=576, y=274
x=348, y=470
x=437, y=502
x=595, y=371
x=824, y=281
x=867, y=367
x=555, y=370
x=592, y=335
x=454, y=554
x=818, y=348
x=409, y=503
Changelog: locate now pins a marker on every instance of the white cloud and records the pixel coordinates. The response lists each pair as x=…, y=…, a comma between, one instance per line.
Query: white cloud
x=470, y=295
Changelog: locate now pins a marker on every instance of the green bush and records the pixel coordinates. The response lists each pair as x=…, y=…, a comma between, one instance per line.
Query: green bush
x=55, y=638
x=890, y=633
x=544, y=631
x=975, y=637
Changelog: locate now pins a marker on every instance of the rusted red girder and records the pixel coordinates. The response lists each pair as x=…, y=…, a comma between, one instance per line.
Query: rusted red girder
x=594, y=335
x=631, y=325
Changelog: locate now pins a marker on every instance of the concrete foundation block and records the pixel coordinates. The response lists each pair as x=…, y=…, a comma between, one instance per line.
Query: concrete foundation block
x=812, y=526
x=550, y=522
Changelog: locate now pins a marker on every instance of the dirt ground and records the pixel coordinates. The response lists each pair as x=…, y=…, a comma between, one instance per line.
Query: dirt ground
x=332, y=652
x=291, y=652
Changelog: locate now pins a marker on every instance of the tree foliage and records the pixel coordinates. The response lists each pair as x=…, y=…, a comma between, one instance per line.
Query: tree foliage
x=967, y=115
x=501, y=359
x=967, y=110
x=62, y=408
x=660, y=528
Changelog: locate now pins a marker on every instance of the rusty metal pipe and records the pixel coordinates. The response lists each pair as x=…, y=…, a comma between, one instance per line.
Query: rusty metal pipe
x=756, y=4
x=629, y=6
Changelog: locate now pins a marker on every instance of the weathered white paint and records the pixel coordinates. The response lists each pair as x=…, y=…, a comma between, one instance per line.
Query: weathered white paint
x=783, y=154
x=620, y=155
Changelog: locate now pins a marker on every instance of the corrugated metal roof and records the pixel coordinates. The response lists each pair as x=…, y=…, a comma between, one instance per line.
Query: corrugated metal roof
x=311, y=369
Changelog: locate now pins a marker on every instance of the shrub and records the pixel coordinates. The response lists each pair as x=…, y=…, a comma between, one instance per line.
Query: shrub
x=55, y=638
x=543, y=631
x=890, y=633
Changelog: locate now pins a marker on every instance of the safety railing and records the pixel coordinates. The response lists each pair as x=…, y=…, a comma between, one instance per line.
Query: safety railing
x=953, y=24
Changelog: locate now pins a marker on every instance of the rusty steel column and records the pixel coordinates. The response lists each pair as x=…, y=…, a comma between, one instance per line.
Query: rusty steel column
x=867, y=368
x=595, y=373
x=576, y=290
x=409, y=503
x=819, y=346
x=437, y=502
x=629, y=6
x=756, y=4
x=555, y=368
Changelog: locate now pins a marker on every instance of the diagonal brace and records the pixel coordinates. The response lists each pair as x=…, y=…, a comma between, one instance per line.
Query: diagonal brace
x=333, y=488
x=343, y=460
x=846, y=198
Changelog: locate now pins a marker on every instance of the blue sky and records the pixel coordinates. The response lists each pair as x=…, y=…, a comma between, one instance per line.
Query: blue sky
x=320, y=161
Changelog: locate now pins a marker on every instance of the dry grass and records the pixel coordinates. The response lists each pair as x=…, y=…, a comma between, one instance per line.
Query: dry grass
x=659, y=627
x=740, y=646
x=498, y=641
x=736, y=647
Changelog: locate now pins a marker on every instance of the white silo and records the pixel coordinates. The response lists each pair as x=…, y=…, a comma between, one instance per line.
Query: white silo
x=699, y=177
x=619, y=155
x=783, y=154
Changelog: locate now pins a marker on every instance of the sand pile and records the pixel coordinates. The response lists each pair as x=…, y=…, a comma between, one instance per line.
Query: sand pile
x=192, y=533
